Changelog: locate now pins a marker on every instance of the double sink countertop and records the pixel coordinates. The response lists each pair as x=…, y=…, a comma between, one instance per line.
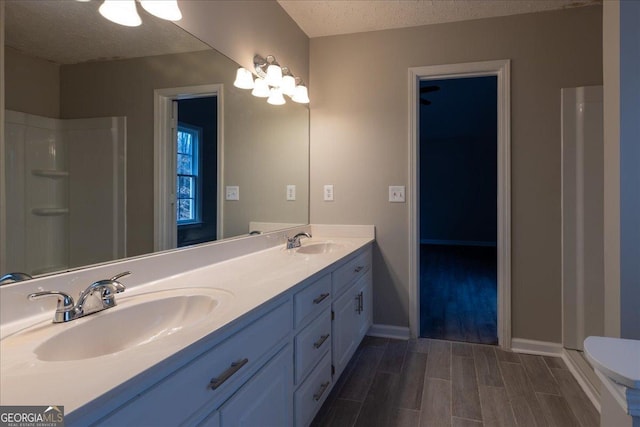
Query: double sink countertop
x=160, y=323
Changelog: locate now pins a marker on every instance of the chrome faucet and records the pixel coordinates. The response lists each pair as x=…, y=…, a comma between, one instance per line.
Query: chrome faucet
x=98, y=296
x=14, y=277
x=294, y=242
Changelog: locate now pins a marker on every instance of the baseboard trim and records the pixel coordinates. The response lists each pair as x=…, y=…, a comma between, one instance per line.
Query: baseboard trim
x=389, y=331
x=542, y=348
x=584, y=375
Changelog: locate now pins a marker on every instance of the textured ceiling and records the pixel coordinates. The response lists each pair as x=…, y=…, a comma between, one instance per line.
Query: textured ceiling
x=69, y=32
x=319, y=18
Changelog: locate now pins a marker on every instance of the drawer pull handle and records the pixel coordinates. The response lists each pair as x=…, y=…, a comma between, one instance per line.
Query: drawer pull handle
x=321, y=298
x=321, y=341
x=359, y=299
x=235, y=367
x=320, y=392
x=358, y=269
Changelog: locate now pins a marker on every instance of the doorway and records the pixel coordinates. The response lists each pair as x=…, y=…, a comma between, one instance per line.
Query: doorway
x=192, y=212
x=458, y=209
x=500, y=71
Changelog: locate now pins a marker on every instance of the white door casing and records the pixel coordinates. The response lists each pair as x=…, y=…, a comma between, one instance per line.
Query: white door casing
x=500, y=69
x=164, y=184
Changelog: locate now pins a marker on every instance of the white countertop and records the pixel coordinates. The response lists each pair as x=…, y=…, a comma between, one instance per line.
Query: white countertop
x=251, y=280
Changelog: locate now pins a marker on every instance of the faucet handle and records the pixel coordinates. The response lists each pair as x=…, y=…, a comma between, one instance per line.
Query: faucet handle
x=118, y=276
x=65, y=307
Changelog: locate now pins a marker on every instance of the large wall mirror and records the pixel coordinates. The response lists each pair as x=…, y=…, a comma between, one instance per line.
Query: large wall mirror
x=80, y=129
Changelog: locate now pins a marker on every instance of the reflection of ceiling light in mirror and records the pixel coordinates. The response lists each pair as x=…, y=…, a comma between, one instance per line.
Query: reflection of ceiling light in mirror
x=276, y=97
x=164, y=9
x=260, y=88
x=301, y=94
x=244, y=79
x=121, y=12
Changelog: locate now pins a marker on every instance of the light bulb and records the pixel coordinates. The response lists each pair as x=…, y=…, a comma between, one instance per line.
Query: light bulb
x=121, y=12
x=244, y=79
x=301, y=95
x=276, y=97
x=274, y=75
x=260, y=88
x=164, y=9
x=288, y=85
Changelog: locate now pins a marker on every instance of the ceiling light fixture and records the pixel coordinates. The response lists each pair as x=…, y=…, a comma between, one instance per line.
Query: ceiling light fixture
x=124, y=12
x=272, y=82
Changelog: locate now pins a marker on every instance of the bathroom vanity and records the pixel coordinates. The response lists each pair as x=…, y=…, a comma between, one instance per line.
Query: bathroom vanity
x=257, y=337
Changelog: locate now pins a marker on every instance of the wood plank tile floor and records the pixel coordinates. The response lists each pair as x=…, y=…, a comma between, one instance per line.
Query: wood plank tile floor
x=427, y=382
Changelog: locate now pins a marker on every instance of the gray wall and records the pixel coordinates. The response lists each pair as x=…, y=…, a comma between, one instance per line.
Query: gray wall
x=359, y=141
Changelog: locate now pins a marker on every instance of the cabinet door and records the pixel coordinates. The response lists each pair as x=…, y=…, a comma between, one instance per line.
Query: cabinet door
x=266, y=399
x=365, y=312
x=345, y=329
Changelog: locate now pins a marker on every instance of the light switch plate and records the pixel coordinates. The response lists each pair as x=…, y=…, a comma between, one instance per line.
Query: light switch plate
x=291, y=192
x=396, y=193
x=328, y=193
x=232, y=192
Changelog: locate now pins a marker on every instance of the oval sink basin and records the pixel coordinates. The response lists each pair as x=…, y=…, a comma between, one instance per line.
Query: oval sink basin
x=319, y=248
x=135, y=321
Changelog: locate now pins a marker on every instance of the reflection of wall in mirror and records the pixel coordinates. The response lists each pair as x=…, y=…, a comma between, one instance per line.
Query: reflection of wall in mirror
x=96, y=89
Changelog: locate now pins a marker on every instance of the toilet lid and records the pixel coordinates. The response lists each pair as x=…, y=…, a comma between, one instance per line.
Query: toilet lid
x=617, y=358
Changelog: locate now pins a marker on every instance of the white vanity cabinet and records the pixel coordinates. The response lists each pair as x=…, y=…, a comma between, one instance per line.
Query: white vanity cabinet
x=312, y=362
x=275, y=366
x=241, y=364
x=352, y=308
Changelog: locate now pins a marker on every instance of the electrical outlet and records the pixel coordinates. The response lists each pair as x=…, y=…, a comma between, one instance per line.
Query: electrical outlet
x=328, y=193
x=233, y=192
x=291, y=192
x=396, y=193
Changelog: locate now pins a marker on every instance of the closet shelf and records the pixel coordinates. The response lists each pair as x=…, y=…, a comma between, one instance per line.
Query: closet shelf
x=49, y=211
x=49, y=173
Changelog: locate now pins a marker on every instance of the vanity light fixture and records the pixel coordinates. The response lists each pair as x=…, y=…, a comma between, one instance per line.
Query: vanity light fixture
x=272, y=82
x=124, y=12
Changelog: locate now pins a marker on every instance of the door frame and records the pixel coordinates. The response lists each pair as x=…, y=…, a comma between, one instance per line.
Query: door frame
x=164, y=167
x=500, y=69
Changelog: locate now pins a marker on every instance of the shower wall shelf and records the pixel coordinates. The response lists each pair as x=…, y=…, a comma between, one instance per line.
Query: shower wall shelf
x=49, y=211
x=50, y=173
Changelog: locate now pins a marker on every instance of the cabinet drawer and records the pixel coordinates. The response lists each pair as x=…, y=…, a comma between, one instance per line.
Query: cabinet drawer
x=351, y=270
x=311, y=344
x=311, y=300
x=311, y=395
x=203, y=380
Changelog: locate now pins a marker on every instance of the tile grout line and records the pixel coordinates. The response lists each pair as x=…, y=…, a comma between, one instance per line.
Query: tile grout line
x=513, y=413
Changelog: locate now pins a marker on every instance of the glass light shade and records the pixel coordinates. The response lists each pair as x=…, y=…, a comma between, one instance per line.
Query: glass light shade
x=274, y=75
x=276, y=97
x=260, y=88
x=301, y=95
x=164, y=9
x=121, y=12
x=244, y=79
x=288, y=85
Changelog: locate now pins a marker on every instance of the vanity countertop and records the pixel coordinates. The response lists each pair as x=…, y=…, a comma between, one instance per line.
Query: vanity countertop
x=248, y=281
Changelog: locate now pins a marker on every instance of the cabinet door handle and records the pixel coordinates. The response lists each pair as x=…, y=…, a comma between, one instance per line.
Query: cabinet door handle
x=321, y=341
x=235, y=367
x=320, y=392
x=358, y=269
x=360, y=299
x=321, y=298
